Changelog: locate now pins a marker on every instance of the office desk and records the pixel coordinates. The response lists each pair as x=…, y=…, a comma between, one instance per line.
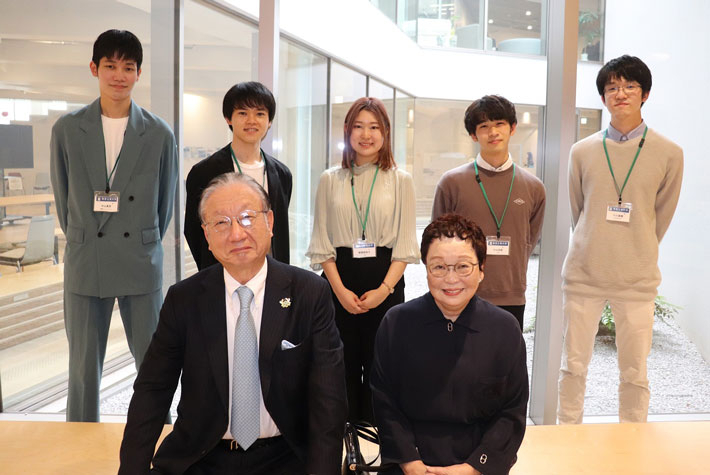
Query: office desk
x=656, y=448
x=20, y=200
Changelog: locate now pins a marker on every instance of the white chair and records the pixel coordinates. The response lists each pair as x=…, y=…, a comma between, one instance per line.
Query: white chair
x=40, y=245
x=42, y=184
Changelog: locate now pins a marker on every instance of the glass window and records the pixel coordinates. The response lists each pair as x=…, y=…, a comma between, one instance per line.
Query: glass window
x=513, y=26
x=403, y=130
x=346, y=86
x=591, y=30
x=589, y=121
x=388, y=7
x=219, y=53
x=301, y=125
x=384, y=93
x=516, y=26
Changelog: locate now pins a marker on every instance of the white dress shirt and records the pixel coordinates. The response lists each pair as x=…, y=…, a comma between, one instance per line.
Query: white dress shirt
x=487, y=166
x=257, y=284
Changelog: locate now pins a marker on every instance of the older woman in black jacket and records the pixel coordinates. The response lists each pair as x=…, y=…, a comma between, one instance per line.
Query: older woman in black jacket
x=449, y=380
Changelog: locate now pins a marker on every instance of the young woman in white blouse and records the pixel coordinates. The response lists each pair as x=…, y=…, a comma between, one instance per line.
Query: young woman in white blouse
x=364, y=235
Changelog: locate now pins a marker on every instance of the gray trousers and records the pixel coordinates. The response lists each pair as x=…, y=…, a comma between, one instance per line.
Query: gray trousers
x=87, y=321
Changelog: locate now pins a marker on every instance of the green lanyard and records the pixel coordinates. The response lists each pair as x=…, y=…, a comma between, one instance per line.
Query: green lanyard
x=108, y=176
x=606, y=152
x=236, y=162
x=367, y=212
x=485, y=195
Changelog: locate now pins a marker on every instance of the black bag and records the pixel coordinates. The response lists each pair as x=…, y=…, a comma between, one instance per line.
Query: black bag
x=354, y=463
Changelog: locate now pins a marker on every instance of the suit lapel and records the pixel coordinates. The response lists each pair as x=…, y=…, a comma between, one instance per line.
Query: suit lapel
x=272, y=178
x=223, y=162
x=130, y=153
x=273, y=318
x=214, y=327
x=92, y=145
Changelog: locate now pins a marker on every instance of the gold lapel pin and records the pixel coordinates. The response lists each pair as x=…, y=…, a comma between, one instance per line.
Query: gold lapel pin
x=285, y=302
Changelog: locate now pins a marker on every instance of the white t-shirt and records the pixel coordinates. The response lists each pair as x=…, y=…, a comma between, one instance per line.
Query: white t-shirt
x=256, y=171
x=114, y=130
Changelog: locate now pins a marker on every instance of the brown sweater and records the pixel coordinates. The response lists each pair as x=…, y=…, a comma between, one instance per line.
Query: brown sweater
x=458, y=192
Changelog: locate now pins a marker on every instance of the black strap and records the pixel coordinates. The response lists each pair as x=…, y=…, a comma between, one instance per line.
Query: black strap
x=354, y=462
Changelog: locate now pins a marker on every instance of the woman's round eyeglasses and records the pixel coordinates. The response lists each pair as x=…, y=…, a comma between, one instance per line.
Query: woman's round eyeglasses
x=462, y=269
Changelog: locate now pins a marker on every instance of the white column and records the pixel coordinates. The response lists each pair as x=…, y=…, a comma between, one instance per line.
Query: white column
x=559, y=134
x=268, y=62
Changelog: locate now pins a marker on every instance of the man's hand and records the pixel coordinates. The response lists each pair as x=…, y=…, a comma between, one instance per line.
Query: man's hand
x=415, y=467
x=460, y=469
x=373, y=298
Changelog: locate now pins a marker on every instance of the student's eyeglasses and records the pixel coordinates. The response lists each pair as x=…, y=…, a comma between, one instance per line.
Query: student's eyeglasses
x=223, y=224
x=462, y=269
x=629, y=89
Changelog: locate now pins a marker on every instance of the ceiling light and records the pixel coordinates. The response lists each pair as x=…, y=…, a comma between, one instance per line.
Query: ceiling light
x=490, y=21
x=528, y=13
x=526, y=117
x=583, y=121
x=529, y=27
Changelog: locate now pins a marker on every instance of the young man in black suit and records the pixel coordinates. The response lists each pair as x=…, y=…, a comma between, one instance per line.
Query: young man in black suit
x=249, y=109
x=276, y=407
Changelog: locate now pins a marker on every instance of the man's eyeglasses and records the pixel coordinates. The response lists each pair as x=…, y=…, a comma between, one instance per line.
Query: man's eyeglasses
x=223, y=224
x=462, y=269
x=629, y=89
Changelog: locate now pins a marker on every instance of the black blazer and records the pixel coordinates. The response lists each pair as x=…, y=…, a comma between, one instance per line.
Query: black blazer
x=450, y=393
x=279, y=182
x=303, y=387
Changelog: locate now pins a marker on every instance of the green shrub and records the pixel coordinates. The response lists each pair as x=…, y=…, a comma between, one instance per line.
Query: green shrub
x=664, y=310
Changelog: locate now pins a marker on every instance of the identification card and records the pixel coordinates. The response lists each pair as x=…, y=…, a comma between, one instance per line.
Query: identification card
x=618, y=212
x=364, y=249
x=498, y=246
x=106, y=202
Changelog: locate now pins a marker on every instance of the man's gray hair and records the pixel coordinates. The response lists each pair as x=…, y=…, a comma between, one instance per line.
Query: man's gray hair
x=228, y=179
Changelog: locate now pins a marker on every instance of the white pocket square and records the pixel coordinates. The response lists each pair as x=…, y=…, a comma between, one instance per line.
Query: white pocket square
x=287, y=345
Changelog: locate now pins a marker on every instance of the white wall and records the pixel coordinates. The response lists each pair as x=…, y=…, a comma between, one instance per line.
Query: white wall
x=674, y=43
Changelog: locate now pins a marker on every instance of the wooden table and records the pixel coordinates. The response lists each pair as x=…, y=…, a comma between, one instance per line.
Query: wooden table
x=21, y=200
x=653, y=448
x=656, y=448
x=66, y=448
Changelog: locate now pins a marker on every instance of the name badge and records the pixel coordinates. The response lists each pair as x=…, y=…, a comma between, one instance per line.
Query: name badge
x=364, y=249
x=618, y=212
x=498, y=246
x=106, y=202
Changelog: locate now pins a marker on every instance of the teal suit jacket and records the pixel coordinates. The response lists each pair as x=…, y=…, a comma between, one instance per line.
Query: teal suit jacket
x=113, y=254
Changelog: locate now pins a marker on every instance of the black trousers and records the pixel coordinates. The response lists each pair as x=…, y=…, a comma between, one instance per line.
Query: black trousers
x=518, y=312
x=358, y=331
x=273, y=459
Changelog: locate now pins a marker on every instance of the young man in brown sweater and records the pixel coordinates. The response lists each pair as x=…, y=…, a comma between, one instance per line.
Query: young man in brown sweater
x=506, y=201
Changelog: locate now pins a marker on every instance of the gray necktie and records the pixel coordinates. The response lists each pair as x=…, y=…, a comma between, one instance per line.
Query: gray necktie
x=245, y=375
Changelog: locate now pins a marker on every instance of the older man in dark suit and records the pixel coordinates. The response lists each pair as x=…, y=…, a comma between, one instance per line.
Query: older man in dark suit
x=263, y=388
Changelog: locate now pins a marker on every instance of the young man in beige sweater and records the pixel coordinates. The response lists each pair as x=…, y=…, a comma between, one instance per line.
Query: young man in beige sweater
x=624, y=184
x=506, y=201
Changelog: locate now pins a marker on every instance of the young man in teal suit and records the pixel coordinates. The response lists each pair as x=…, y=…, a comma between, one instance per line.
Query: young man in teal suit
x=114, y=172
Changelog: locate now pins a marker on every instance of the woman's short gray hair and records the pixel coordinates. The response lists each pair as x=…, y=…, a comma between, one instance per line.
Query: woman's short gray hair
x=232, y=178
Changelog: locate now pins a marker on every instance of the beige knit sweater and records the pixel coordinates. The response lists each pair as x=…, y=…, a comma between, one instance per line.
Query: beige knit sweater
x=614, y=259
